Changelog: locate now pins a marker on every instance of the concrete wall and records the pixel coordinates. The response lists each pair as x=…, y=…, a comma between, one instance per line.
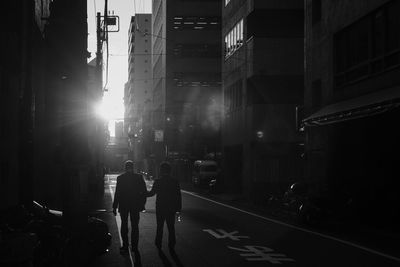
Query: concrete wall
x=348, y=158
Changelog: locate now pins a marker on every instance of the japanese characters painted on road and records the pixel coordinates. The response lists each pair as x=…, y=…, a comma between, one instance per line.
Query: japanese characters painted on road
x=220, y=233
x=258, y=253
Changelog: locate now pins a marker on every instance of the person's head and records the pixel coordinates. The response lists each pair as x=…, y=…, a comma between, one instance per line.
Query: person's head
x=129, y=166
x=165, y=168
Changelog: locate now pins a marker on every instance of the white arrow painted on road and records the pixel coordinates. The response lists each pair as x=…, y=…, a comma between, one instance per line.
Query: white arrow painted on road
x=224, y=234
x=258, y=253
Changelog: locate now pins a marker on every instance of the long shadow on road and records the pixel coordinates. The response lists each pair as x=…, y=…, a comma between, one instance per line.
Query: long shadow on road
x=166, y=262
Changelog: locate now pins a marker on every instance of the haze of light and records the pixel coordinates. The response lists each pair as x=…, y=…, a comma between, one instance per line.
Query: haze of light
x=112, y=107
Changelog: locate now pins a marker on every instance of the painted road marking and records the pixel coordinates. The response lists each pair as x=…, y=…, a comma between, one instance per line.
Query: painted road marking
x=258, y=253
x=298, y=228
x=253, y=253
x=224, y=234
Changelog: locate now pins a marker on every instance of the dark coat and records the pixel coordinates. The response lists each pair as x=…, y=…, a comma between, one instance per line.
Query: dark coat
x=168, y=192
x=130, y=193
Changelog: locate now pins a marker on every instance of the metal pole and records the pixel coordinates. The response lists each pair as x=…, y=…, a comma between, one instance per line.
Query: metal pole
x=99, y=53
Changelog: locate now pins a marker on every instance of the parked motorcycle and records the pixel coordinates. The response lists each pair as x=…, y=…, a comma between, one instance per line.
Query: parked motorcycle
x=307, y=208
x=56, y=246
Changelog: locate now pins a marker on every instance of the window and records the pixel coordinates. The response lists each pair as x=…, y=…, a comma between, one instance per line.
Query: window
x=369, y=46
x=196, y=23
x=234, y=39
x=227, y=2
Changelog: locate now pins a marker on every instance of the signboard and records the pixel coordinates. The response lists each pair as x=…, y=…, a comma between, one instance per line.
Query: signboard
x=158, y=135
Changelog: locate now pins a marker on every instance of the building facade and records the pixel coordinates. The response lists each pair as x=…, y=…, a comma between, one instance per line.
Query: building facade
x=44, y=106
x=186, y=77
x=22, y=72
x=352, y=95
x=139, y=87
x=262, y=74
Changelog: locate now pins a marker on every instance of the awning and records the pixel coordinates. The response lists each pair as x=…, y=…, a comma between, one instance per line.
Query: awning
x=362, y=106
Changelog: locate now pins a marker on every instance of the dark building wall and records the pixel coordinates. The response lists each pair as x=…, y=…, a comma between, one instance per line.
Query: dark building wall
x=21, y=86
x=262, y=85
x=334, y=17
x=193, y=67
x=352, y=50
x=9, y=103
x=66, y=106
x=187, y=57
x=44, y=107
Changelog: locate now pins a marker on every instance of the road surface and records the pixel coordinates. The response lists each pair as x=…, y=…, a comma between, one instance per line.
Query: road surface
x=216, y=234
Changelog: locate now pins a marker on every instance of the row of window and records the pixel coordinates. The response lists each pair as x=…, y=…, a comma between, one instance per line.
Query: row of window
x=197, y=50
x=196, y=23
x=234, y=39
x=197, y=79
x=180, y=83
x=369, y=46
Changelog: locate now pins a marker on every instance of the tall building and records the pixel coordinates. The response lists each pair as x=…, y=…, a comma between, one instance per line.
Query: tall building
x=139, y=87
x=44, y=107
x=352, y=99
x=262, y=74
x=22, y=75
x=186, y=77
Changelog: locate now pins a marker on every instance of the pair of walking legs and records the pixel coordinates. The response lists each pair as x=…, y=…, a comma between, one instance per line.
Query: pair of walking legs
x=169, y=218
x=134, y=216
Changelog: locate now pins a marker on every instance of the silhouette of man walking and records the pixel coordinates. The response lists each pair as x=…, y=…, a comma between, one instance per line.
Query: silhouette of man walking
x=168, y=202
x=129, y=199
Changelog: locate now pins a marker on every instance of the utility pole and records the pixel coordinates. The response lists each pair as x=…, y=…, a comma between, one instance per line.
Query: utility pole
x=102, y=30
x=99, y=52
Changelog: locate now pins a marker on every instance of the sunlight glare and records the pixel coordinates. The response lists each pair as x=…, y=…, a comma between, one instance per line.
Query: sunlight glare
x=108, y=110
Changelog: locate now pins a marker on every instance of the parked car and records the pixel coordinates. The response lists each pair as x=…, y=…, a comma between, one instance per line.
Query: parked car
x=204, y=173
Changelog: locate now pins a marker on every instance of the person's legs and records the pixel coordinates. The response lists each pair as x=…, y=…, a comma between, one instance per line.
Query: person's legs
x=160, y=225
x=135, y=216
x=170, y=219
x=124, y=228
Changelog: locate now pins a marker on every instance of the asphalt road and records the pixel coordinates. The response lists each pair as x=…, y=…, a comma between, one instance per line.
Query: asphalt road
x=216, y=234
